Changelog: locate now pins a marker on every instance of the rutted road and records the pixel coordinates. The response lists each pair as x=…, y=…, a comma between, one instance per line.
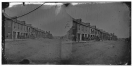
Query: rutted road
x=41, y=51
x=104, y=52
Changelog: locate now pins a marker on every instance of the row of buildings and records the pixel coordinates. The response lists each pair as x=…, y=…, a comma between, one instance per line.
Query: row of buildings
x=15, y=29
x=81, y=31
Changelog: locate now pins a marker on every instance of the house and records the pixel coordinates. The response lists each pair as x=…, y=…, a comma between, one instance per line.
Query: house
x=15, y=29
x=81, y=31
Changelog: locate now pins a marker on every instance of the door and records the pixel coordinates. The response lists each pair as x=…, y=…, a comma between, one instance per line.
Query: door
x=14, y=35
x=78, y=36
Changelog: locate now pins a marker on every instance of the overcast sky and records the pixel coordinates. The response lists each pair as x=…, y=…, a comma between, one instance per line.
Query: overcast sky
x=111, y=17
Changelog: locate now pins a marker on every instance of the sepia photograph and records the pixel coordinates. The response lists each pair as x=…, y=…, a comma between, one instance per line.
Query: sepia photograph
x=66, y=33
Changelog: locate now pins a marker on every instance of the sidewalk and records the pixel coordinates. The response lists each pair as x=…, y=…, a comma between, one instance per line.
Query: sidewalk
x=67, y=41
x=85, y=41
x=70, y=41
x=6, y=40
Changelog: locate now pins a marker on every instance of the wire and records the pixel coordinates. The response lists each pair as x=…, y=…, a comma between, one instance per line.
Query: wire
x=30, y=11
x=68, y=15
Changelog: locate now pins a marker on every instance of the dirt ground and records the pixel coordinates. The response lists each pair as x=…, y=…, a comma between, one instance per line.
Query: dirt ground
x=39, y=51
x=52, y=51
x=103, y=52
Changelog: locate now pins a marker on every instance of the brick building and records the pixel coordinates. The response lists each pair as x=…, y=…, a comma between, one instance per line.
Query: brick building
x=8, y=27
x=81, y=31
x=15, y=29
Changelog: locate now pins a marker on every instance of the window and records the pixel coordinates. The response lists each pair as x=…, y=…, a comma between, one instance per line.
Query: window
x=85, y=35
x=18, y=35
x=82, y=36
x=14, y=25
x=88, y=35
x=92, y=31
x=82, y=28
x=79, y=27
x=96, y=32
x=21, y=34
x=9, y=24
x=8, y=34
x=27, y=29
x=31, y=29
x=86, y=29
x=73, y=24
x=18, y=26
x=24, y=28
x=21, y=27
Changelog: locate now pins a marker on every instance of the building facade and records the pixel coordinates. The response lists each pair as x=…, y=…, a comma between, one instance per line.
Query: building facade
x=15, y=29
x=81, y=31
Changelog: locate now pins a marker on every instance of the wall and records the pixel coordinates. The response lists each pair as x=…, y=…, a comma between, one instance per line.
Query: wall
x=8, y=29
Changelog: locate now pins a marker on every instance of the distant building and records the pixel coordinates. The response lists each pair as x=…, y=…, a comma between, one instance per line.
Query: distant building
x=81, y=31
x=15, y=29
x=8, y=27
x=92, y=32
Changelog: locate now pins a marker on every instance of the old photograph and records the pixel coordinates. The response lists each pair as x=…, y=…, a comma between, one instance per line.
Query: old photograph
x=66, y=33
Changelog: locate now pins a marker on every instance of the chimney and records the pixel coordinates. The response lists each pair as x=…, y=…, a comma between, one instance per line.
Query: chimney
x=79, y=20
x=93, y=26
x=23, y=22
x=88, y=24
x=28, y=24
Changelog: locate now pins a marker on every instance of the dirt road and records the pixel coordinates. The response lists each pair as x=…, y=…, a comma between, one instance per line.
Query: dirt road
x=42, y=51
x=39, y=51
x=103, y=52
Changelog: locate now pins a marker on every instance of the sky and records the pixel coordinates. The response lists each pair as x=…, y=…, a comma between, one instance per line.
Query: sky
x=111, y=17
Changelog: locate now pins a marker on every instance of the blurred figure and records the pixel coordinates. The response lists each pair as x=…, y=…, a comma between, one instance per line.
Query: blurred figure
x=24, y=61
